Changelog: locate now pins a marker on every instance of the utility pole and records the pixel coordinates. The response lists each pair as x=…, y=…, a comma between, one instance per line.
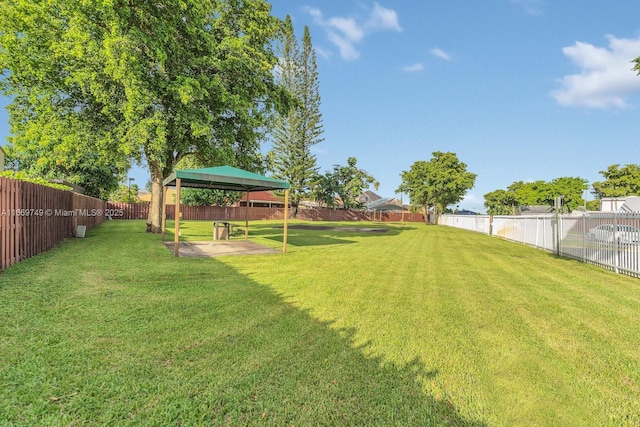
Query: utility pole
x=129, y=192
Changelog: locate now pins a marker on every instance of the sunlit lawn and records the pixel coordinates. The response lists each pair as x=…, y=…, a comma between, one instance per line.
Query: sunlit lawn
x=421, y=325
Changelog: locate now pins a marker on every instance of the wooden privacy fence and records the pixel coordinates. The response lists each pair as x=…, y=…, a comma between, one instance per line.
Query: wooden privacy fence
x=128, y=210
x=233, y=213
x=35, y=218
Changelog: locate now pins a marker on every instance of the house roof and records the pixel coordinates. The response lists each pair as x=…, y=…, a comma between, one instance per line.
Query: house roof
x=466, y=212
x=224, y=178
x=534, y=209
x=369, y=195
x=384, y=204
x=263, y=196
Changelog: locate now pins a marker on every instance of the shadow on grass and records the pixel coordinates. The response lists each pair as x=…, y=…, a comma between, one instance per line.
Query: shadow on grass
x=300, y=237
x=136, y=336
x=307, y=235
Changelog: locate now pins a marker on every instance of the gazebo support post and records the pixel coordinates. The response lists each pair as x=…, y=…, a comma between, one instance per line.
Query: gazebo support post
x=176, y=237
x=246, y=218
x=286, y=220
x=164, y=210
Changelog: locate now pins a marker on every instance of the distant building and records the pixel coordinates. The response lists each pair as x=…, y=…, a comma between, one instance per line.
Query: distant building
x=466, y=212
x=262, y=199
x=535, y=210
x=145, y=197
x=620, y=204
x=368, y=197
x=373, y=202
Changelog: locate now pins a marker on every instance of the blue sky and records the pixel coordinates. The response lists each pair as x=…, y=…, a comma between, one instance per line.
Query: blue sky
x=518, y=89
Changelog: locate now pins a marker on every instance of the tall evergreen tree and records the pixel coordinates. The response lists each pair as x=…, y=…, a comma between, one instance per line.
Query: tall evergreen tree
x=297, y=131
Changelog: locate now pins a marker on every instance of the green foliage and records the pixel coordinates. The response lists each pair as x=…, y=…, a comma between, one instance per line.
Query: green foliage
x=153, y=80
x=345, y=183
x=619, y=181
x=55, y=124
x=206, y=197
x=126, y=194
x=501, y=202
x=23, y=176
x=324, y=190
x=530, y=193
x=571, y=189
x=537, y=193
x=440, y=182
x=593, y=205
x=297, y=130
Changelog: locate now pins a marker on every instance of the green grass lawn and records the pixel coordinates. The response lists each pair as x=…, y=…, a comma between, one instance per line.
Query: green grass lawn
x=421, y=325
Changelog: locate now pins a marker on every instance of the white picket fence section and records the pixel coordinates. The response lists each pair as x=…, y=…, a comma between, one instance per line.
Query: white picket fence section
x=569, y=235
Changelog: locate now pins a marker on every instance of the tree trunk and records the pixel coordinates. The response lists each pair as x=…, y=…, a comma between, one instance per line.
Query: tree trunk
x=154, y=221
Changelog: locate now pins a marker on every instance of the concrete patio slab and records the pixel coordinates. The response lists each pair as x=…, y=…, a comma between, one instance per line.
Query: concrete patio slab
x=220, y=248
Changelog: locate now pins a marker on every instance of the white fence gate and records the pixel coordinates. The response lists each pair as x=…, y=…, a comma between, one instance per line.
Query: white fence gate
x=610, y=240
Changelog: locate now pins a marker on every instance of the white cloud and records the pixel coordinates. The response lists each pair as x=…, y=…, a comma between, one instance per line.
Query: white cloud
x=605, y=78
x=349, y=28
x=345, y=46
x=440, y=54
x=413, y=68
x=322, y=52
x=315, y=13
x=532, y=7
x=383, y=19
x=346, y=32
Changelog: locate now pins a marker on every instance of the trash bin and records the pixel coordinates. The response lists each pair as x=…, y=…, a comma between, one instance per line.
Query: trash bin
x=220, y=230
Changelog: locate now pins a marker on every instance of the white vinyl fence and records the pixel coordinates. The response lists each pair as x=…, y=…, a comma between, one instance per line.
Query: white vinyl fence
x=610, y=240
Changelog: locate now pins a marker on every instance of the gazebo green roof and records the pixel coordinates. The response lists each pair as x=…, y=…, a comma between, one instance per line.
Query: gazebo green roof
x=224, y=178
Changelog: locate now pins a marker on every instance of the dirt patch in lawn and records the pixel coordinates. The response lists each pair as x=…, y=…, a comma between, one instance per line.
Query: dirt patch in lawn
x=330, y=228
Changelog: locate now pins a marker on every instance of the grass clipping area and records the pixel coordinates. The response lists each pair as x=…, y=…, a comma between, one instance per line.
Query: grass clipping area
x=421, y=325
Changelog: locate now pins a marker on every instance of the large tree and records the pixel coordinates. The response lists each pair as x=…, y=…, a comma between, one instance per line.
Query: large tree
x=343, y=185
x=501, y=202
x=300, y=128
x=438, y=183
x=537, y=193
x=571, y=189
x=618, y=182
x=530, y=193
x=156, y=80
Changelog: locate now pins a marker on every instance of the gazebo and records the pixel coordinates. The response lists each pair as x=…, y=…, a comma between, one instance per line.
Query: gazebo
x=221, y=178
